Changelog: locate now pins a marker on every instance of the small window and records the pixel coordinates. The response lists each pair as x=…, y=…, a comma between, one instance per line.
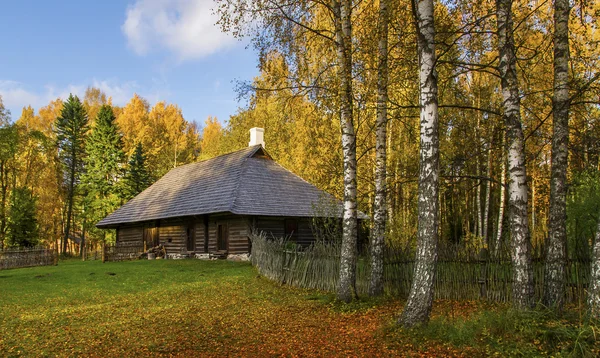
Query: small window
x=291, y=229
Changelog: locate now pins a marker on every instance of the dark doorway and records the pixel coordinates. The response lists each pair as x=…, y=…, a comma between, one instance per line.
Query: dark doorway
x=191, y=238
x=291, y=229
x=222, y=237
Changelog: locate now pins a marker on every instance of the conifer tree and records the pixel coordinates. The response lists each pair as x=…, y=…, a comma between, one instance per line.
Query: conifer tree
x=104, y=162
x=137, y=178
x=22, y=226
x=71, y=130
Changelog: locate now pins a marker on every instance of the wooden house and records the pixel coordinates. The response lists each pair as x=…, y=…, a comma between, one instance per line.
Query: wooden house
x=212, y=206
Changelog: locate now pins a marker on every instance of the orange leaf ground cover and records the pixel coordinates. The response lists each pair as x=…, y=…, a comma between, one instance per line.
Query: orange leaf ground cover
x=196, y=308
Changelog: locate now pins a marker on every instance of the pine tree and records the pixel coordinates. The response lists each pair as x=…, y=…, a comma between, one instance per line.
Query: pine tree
x=71, y=130
x=137, y=178
x=103, y=164
x=22, y=225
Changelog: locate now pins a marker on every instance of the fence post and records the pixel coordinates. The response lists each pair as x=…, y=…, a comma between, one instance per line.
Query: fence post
x=103, y=252
x=56, y=255
x=483, y=261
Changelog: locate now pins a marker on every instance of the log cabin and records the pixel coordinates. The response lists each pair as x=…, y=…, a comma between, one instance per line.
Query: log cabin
x=211, y=207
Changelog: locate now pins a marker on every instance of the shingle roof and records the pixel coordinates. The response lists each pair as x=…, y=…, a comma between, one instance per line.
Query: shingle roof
x=246, y=182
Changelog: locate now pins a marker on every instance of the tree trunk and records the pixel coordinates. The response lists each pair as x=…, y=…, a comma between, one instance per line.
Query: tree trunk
x=594, y=291
x=379, y=220
x=4, y=195
x=522, y=286
x=502, y=198
x=346, y=290
x=554, y=273
x=70, y=202
x=486, y=207
x=418, y=306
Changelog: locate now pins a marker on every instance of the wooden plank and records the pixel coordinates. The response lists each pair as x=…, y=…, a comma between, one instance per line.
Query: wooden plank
x=173, y=238
x=130, y=236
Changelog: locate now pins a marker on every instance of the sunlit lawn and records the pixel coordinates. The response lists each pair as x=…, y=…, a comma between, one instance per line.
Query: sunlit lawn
x=172, y=307
x=220, y=308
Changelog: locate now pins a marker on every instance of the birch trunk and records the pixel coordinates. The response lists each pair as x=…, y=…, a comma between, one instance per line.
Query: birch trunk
x=554, y=272
x=594, y=291
x=486, y=212
x=346, y=290
x=478, y=203
x=418, y=306
x=522, y=287
x=378, y=235
x=502, y=198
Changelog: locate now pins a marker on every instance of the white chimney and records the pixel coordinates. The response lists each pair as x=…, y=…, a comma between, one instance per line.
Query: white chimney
x=257, y=137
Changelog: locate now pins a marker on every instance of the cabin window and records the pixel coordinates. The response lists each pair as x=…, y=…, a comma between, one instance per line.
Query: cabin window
x=222, y=237
x=291, y=229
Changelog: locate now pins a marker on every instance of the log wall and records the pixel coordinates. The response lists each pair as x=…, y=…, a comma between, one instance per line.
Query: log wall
x=173, y=233
x=238, y=233
x=173, y=237
x=130, y=236
x=274, y=227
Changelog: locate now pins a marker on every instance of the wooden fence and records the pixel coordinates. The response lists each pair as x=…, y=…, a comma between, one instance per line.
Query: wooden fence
x=122, y=252
x=27, y=257
x=462, y=274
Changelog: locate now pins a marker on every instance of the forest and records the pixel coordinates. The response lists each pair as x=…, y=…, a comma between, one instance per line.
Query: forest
x=467, y=122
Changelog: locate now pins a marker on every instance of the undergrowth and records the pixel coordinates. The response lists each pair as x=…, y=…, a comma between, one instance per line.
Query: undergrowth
x=509, y=333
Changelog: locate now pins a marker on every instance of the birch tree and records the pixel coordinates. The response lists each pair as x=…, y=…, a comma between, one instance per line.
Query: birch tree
x=554, y=274
x=342, y=10
x=420, y=299
x=594, y=291
x=380, y=211
x=522, y=287
x=291, y=28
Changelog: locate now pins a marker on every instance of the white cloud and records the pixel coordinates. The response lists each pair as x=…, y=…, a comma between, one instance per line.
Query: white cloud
x=184, y=27
x=16, y=95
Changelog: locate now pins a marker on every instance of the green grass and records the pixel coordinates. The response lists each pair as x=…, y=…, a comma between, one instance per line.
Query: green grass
x=165, y=307
x=220, y=308
x=501, y=331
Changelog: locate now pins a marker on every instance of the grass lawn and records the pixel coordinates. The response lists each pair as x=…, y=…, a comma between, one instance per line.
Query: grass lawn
x=218, y=308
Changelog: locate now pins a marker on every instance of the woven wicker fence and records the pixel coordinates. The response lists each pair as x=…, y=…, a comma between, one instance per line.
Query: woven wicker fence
x=462, y=274
x=27, y=257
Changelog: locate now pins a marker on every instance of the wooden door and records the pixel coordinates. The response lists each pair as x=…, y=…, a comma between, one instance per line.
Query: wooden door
x=222, y=237
x=151, y=238
x=190, y=238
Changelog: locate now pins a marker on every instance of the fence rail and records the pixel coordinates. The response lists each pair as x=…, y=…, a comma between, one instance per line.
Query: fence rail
x=27, y=257
x=461, y=274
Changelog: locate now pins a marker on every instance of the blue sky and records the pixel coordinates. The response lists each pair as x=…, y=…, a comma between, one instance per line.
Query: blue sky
x=161, y=49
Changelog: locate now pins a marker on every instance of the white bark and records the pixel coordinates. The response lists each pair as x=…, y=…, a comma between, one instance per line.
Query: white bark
x=486, y=212
x=379, y=220
x=343, y=40
x=418, y=306
x=502, y=199
x=554, y=273
x=594, y=291
x=522, y=285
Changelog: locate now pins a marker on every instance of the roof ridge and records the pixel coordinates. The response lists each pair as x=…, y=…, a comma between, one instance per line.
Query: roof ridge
x=220, y=155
